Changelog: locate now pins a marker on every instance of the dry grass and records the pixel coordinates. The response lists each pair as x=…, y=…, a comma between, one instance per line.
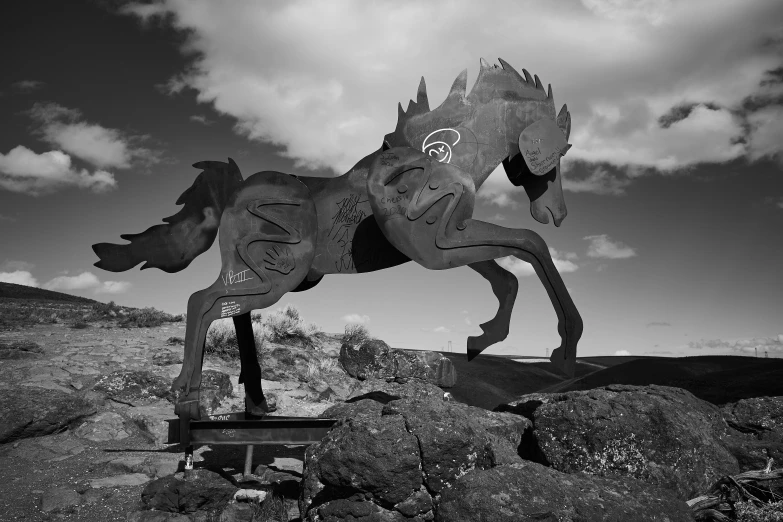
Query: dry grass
x=316, y=369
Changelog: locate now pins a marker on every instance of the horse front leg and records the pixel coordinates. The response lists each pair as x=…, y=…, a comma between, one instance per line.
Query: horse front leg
x=504, y=286
x=424, y=210
x=479, y=240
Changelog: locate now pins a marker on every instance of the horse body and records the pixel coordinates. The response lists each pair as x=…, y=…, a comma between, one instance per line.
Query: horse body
x=412, y=199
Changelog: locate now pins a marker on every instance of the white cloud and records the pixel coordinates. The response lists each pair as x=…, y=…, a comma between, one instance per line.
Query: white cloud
x=201, y=119
x=12, y=265
x=7, y=218
x=562, y=261
x=25, y=171
x=18, y=277
x=28, y=85
x=772, y=345
x=441, y=329
x=356, y=318
x=468, y=321
x=113, y=287
x=327, y=84
x=622, y=352
x=598, y=181
x=95, y=144
x=601, y=246
x=78, y=282
x=767, y=124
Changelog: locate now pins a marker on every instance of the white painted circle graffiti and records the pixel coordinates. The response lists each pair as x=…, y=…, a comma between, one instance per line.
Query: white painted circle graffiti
x=440, y=150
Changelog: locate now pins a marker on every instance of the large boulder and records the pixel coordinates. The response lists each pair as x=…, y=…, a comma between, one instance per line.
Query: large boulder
x=417, y=459
x=374, y=358
x=528, y=491
x=389, y=460
x=760, y=416
x=32, y=412
x=664, y=436
x=756, y=431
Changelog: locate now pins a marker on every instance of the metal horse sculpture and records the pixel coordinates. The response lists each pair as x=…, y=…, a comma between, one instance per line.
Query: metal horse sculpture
x=410, y=200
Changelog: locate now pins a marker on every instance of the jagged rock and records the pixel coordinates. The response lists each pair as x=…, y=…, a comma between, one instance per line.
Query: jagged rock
x=413, y=448
x=136, y=387
x=202, y=490
x=215, y=386
x=377, y=457
x=450, y=441
x=354, y=410
x=59, y=499
x=374, y=358
x=528, y=491
x=662, y=435
x=103, y=426
x=32, y=412
x=760, y=416
x=756, y=431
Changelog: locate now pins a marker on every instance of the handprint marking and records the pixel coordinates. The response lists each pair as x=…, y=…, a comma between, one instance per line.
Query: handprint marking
x=280, y=258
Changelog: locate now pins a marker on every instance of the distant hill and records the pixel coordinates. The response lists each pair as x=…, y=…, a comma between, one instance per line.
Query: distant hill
x=714, y=378
x=13, y=291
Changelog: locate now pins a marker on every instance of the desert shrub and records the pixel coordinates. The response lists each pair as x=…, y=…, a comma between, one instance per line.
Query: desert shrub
x=146, y=318
x=355, y=334
x=105, y=310
x=222, y=339
x=748, y=512
x=286, y=325
x=318, y=367
x=81, y=324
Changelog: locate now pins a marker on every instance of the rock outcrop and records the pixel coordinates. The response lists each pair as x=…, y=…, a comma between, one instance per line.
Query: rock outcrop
x=528, y=491
x=33, y=412
x=664, y=436
x=418, y=458
x=375, y=359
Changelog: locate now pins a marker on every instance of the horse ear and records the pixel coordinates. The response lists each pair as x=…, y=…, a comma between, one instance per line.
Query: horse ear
x=564, y=121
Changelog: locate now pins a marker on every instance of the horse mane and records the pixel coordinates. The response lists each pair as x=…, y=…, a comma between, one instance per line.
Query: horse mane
x=489, y=85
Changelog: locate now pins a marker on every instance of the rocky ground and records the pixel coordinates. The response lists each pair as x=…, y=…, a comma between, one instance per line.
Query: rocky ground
x=83, y=436
x=79, y=442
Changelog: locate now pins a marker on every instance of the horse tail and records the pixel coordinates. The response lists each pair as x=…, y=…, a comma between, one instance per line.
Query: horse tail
x=186, y=234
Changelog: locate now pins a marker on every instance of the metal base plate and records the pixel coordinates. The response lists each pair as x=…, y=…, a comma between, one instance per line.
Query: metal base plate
x=236, y=428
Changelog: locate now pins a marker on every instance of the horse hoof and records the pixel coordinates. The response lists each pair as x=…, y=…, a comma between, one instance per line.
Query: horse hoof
x=257, y=410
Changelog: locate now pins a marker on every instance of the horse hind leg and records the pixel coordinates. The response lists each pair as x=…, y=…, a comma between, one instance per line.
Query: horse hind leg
x=250, y=375
x=505, y=287
x=188, y=383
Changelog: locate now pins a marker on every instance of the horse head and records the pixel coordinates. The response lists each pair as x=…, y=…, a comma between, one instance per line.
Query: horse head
x=518, y=125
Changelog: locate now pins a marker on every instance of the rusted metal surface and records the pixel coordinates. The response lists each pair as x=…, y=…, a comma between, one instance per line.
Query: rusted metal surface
x=412, y=199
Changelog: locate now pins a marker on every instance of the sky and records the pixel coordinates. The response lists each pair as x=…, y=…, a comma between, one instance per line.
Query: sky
x=674, y=184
